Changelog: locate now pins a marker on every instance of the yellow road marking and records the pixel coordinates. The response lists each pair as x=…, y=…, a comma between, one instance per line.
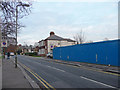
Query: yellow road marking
x=45, y=82
x=34, y=75
x=37, y=77
x=39, y=80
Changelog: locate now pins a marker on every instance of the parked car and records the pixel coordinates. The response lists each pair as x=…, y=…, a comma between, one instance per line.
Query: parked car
x=11, y=53
x=50, y=55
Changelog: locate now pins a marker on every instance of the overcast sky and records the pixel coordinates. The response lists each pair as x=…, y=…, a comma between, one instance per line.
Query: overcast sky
x=98, y=20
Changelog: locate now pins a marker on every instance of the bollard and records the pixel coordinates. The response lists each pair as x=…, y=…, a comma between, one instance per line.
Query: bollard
x=15, y=62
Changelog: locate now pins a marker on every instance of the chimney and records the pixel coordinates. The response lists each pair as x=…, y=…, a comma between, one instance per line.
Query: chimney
x=52, y=33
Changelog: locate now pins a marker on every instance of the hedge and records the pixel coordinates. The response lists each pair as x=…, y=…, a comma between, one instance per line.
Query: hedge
x=31, y=54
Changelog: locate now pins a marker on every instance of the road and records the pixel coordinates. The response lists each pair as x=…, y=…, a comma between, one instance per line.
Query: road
x=56, y=75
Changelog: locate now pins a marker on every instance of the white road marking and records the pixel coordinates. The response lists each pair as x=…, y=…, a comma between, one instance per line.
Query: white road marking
x=56, y=69
x=97, y=82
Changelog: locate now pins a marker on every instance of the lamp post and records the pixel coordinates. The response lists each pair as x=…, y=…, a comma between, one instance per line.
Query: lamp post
x=27, y=5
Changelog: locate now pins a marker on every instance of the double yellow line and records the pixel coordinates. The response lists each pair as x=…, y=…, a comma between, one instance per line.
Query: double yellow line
x=44, y=83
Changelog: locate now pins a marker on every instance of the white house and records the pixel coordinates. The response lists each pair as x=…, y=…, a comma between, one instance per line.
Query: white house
x=47, y=45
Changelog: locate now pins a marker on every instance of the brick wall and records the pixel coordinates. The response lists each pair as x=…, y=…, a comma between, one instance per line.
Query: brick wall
x=11, y=48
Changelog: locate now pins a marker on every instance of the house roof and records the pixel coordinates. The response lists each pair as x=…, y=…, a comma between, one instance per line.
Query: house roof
x=55, y=37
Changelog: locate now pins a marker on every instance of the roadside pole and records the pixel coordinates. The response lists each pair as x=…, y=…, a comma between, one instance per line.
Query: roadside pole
x=16, y=36
x=26, y=5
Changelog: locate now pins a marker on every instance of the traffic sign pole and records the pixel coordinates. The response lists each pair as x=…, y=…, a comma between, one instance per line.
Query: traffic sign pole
x=4, y=43
x=4, y=46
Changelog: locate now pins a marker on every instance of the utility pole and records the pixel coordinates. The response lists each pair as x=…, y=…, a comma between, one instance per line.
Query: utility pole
x=27, y=5
x=16, y=37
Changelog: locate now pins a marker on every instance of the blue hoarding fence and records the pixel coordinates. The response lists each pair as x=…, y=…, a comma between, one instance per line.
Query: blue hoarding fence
x=105, y=52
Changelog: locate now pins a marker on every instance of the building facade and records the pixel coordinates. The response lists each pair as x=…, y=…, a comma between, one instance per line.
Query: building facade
x=42, y=48
x=47, y=45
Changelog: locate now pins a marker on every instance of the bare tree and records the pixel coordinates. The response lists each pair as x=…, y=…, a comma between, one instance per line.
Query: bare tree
x=9, y=29
x=79, y=37
x=8, y=11
x=106, y=39
x=90, y=41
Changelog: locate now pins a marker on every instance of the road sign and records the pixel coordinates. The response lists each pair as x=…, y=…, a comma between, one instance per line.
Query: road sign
x=4, y=43
x=51, y=46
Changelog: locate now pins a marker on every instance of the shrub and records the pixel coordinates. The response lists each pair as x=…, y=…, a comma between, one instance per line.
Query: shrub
x=31, y=54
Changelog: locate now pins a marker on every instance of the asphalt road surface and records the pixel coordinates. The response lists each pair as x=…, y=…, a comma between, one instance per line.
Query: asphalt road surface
x=58, y=75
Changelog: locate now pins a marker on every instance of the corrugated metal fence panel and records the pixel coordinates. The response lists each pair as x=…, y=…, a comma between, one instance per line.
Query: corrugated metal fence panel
x=100, y=52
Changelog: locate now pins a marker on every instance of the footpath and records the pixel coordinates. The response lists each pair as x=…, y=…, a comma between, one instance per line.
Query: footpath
x=14, y=77
x=0, y=72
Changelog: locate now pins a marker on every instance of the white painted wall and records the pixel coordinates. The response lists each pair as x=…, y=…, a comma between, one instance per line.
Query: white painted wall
x=53, y=43
x=58, y=44
x=41, y=51
x=29, y=50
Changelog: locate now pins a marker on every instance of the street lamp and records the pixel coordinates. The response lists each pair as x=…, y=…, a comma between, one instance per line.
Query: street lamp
x=26, y=5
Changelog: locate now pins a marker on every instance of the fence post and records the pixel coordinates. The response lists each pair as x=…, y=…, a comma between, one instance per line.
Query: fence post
x=96, y=58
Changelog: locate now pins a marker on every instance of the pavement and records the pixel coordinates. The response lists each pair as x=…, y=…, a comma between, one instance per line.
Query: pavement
x=46, y=72
x=0, y=72
x=14, y=77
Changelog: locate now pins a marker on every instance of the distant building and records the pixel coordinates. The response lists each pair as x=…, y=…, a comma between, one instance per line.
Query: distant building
x=27, y=49
x=42, y=48
x=51, y=42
